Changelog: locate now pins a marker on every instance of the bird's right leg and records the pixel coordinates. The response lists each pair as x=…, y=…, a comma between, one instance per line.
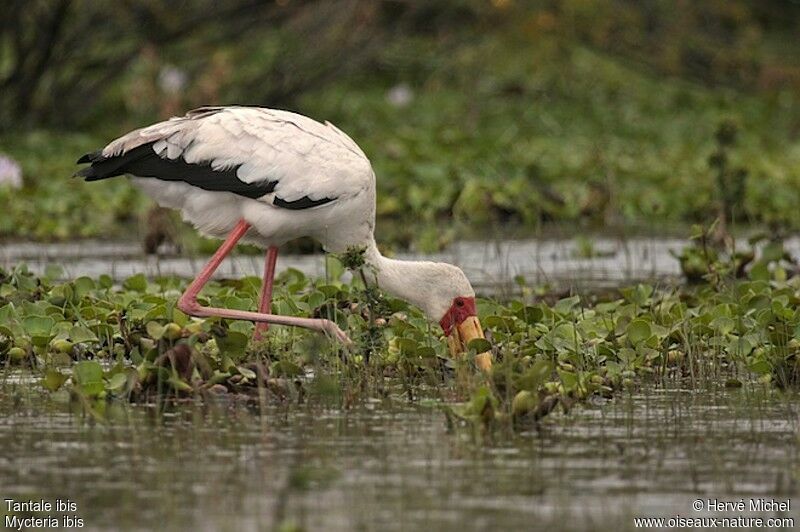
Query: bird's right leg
x=188, y=301
x=265, y=300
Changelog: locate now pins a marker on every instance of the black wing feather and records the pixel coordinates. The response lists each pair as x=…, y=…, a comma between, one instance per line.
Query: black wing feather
x=303, y=203
x=143, y=161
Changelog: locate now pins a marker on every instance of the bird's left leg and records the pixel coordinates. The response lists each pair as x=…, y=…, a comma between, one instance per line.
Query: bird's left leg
x=188, y=301
x=265, y=301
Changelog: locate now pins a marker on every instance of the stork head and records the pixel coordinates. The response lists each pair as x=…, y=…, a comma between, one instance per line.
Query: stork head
x=450, y=299
x=443, y=293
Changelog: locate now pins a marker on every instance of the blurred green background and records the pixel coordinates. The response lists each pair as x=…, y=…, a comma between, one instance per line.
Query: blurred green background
x=482, y=118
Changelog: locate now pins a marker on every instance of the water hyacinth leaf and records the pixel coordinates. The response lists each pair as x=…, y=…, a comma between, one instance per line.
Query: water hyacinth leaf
x=530, y=315
x=330, y=291
x=638, y=331
x=627, y=356
x=565, y=306
x=158, y=312
x=7, y=312
x=232, y=344
x=137, y=283
x=723, y=325
x=82, y=286
x=38, y=325
x=407, y=346
x=639, y=294
x=88, y=375
x=79, y=334
x=53, y=380
x=39, y=328
x=244, y=327
x=284, y=368
x=762, y=367
x=500, y=322
x=178, y=317
x=536, y=375
x=315, y=299
x=479, y=345
x=568, y=379
x=426, y=351
x=155, y=330
x=178, y=384
x=117, y=381
x=238, y=303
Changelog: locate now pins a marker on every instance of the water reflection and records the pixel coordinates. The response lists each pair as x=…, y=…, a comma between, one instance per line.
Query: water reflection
x=394, y=466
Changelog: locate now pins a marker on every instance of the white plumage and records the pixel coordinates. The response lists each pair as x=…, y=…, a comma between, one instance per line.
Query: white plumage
x=305, y=157
x=271, y=176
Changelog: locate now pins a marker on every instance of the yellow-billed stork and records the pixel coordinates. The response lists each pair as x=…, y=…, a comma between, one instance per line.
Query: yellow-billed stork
x=268, y=176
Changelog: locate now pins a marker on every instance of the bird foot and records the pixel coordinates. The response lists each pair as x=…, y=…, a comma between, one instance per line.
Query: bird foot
x=333, y=331
x=190, y=306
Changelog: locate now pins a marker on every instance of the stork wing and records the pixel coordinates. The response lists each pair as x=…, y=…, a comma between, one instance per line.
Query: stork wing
x=279, y=157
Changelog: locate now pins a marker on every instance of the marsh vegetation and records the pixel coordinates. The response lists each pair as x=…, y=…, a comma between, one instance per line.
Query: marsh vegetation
x=483, y=120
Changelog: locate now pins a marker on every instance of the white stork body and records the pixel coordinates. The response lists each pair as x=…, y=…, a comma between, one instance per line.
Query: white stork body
x=304, y=158
x=271, y=176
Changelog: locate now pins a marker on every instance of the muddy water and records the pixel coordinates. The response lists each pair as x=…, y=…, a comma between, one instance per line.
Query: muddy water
x=395, y=466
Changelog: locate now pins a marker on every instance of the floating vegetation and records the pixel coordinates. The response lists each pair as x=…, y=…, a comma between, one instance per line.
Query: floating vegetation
x=99, y=341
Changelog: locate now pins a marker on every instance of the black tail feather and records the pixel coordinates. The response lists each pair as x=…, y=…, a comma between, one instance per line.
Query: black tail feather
x=91, y=157
x=105, y=167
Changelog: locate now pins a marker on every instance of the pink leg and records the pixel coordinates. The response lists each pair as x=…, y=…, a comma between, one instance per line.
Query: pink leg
x=188, y=301
x=265, y=301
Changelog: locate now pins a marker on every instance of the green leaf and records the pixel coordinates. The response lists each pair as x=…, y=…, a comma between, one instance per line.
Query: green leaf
x=426, y=351
x=82, y=286
x=566, y=305
x=761, y=367
x=638, y=331
x=238, y=303
x=407, y=346
x=530, y=315
x=155, y=330
x=285, y=368
x=232, y=344
x=568, y=379
x=38, y=325
x=535, y=375
x=79, y=334
x=88, y=375
x=479, y=345
x=179, y=384
x=723, y=325
x=137, y=283
x=53, y=379
x=117, y=381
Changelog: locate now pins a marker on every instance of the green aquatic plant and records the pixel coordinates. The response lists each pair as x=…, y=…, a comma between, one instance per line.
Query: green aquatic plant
x=106, y=341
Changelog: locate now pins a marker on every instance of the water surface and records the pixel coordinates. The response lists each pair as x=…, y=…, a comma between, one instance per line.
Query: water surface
x=392, y=465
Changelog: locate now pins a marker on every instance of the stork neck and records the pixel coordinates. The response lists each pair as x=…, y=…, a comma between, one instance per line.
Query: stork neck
x=405, y=279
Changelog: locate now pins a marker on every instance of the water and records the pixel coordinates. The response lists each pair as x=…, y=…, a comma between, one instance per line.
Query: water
x=491, y=266
x=393, y=465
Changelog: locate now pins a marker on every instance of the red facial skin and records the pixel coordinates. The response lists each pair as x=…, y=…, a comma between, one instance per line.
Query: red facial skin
x=461, y=309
